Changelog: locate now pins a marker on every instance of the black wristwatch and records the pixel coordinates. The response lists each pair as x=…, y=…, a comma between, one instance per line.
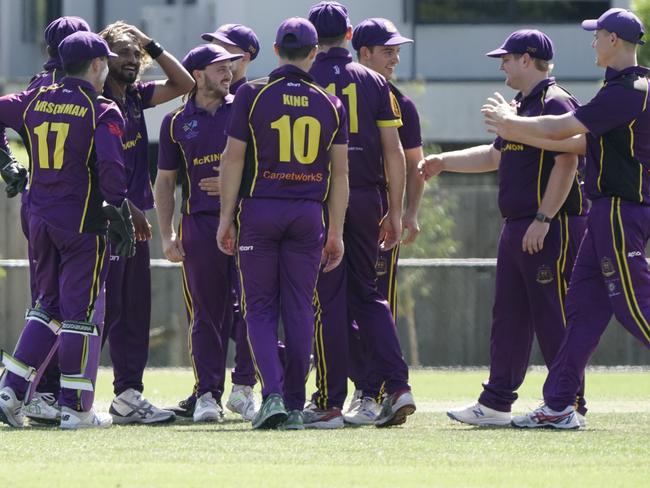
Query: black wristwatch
x=540, y=217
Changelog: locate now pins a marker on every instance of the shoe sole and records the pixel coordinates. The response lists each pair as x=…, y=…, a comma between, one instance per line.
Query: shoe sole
x=44, y=420
x=399, y=417
x=504, y=423
x=272, y=421
x=6, y=419
x=120, y=420
x=83, y=427
x=358, y=422
x=545, y=426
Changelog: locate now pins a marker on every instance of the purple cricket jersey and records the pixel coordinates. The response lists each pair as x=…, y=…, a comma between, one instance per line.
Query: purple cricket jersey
x=369, y=104
x=410, y=134
x=291, y=123
x=135, y=141
x=524, y=170
x=73, y=137
x=192, y=140
x=618, y=147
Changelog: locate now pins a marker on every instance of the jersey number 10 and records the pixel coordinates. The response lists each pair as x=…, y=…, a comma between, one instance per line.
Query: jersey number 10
x=303, y=137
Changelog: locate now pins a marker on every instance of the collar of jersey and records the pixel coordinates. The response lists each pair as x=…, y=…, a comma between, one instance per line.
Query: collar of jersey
x=611, y=73
x=335, y=52
x=191, y=108
x=291, y=71
x=70, y=81
x=542, y=85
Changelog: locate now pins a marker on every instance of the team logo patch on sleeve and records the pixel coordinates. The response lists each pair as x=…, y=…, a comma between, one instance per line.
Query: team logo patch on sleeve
x=394, y=104
x=115, y=129
x=544, y=275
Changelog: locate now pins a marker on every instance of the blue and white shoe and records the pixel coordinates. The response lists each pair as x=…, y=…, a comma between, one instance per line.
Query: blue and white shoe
x=546, y=417
x=478, y=414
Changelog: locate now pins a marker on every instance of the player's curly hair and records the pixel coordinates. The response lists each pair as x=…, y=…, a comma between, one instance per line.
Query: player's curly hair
x=112, y=33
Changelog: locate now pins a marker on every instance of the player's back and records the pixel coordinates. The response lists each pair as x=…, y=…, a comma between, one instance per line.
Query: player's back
x=293, y=122
x=369, y=105
x=59, y=124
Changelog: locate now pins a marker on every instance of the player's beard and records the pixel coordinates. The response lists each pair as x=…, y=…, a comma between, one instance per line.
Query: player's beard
x=127, y=77
x=215, y=90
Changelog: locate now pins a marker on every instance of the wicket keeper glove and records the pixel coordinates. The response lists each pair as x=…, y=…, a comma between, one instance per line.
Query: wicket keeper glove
x=14, y=175
x=121, y=232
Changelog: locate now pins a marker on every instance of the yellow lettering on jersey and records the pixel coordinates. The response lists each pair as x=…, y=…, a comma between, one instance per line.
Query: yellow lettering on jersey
x=207, y=159
x=295, y=100
x=60, y=108
x=512, y=147
x=131, y=144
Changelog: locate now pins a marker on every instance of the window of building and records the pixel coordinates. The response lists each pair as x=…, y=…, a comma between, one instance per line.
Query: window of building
x=507, y=11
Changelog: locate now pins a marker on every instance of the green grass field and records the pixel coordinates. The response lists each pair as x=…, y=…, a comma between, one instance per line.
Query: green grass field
x=430, y=450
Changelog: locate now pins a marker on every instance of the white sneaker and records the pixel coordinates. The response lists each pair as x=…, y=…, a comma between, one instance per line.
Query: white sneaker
x=365, y=414
x=582, y=420
x=130, y=407
x=355, y=401
x=73, y=420
x=11, y=409
x=242, y=401
x=478, y=414
x=207, y=409
x=546, y=417
x=43, y=408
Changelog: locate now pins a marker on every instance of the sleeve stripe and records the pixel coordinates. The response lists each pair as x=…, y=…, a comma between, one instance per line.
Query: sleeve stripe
x=390, y=123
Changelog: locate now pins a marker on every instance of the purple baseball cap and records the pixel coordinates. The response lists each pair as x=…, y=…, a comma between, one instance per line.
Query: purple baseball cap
x=623, y=22
x=206, y=54
x=59, y=29
x=330, y=19
x=377, y=32
x=235, y=35
x=82, y=46
x=302, y=33
x=535, y=43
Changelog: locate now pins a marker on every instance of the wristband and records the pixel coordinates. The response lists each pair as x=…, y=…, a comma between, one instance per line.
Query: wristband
x=154, y=49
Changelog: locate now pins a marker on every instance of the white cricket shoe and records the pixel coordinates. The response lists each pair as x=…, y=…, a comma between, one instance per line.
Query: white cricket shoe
x=11, y=409
x=365, y=414
x=130, y=407
x=546, y=417
x=242, y=401
x=207, y=409
x=582, y=420
x=73, y=420
x=355, y=401
x=43, y=408
x=478, y=414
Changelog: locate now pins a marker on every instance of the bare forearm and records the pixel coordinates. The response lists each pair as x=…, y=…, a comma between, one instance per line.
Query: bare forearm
x=559, y=184
x=177, y=77
x=337, y=199
x=396, y=174
x=231, y=176
x=414, y=183
x=165, y=204
x=477, y=159
x=576, y=144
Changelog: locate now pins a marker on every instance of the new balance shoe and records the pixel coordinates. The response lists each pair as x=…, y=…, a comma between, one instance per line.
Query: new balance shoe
x=355, y=401
x=207, y=409
x=185, y=408
x=43, y=409
x=73, y=420
x=271, y=414
x=319, y=418
x=295, y=421
x=242, y=401
x=11, y=409
x=478, y=414
x=395, y=409
x=130, y=407
x=365, y=414
x=582, y=420
x=546, y=417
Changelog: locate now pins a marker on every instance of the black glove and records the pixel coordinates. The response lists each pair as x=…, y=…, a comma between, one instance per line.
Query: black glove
x=121, y=233
x=14, y=175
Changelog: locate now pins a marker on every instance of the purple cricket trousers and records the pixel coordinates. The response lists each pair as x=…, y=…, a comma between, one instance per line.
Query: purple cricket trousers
x=69, y=274
x=611, y=276
x=280, y=245
x=529, y=301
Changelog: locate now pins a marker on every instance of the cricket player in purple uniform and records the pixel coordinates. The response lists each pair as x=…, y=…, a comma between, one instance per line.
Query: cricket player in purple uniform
x=539, y=193
x=611, y=274
x=44, y=407
x=286, y=155
x=128, y=285
x=192, y=139
x=349, y=292
x=76, y=163
x=236, y=39
x=378, y=43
